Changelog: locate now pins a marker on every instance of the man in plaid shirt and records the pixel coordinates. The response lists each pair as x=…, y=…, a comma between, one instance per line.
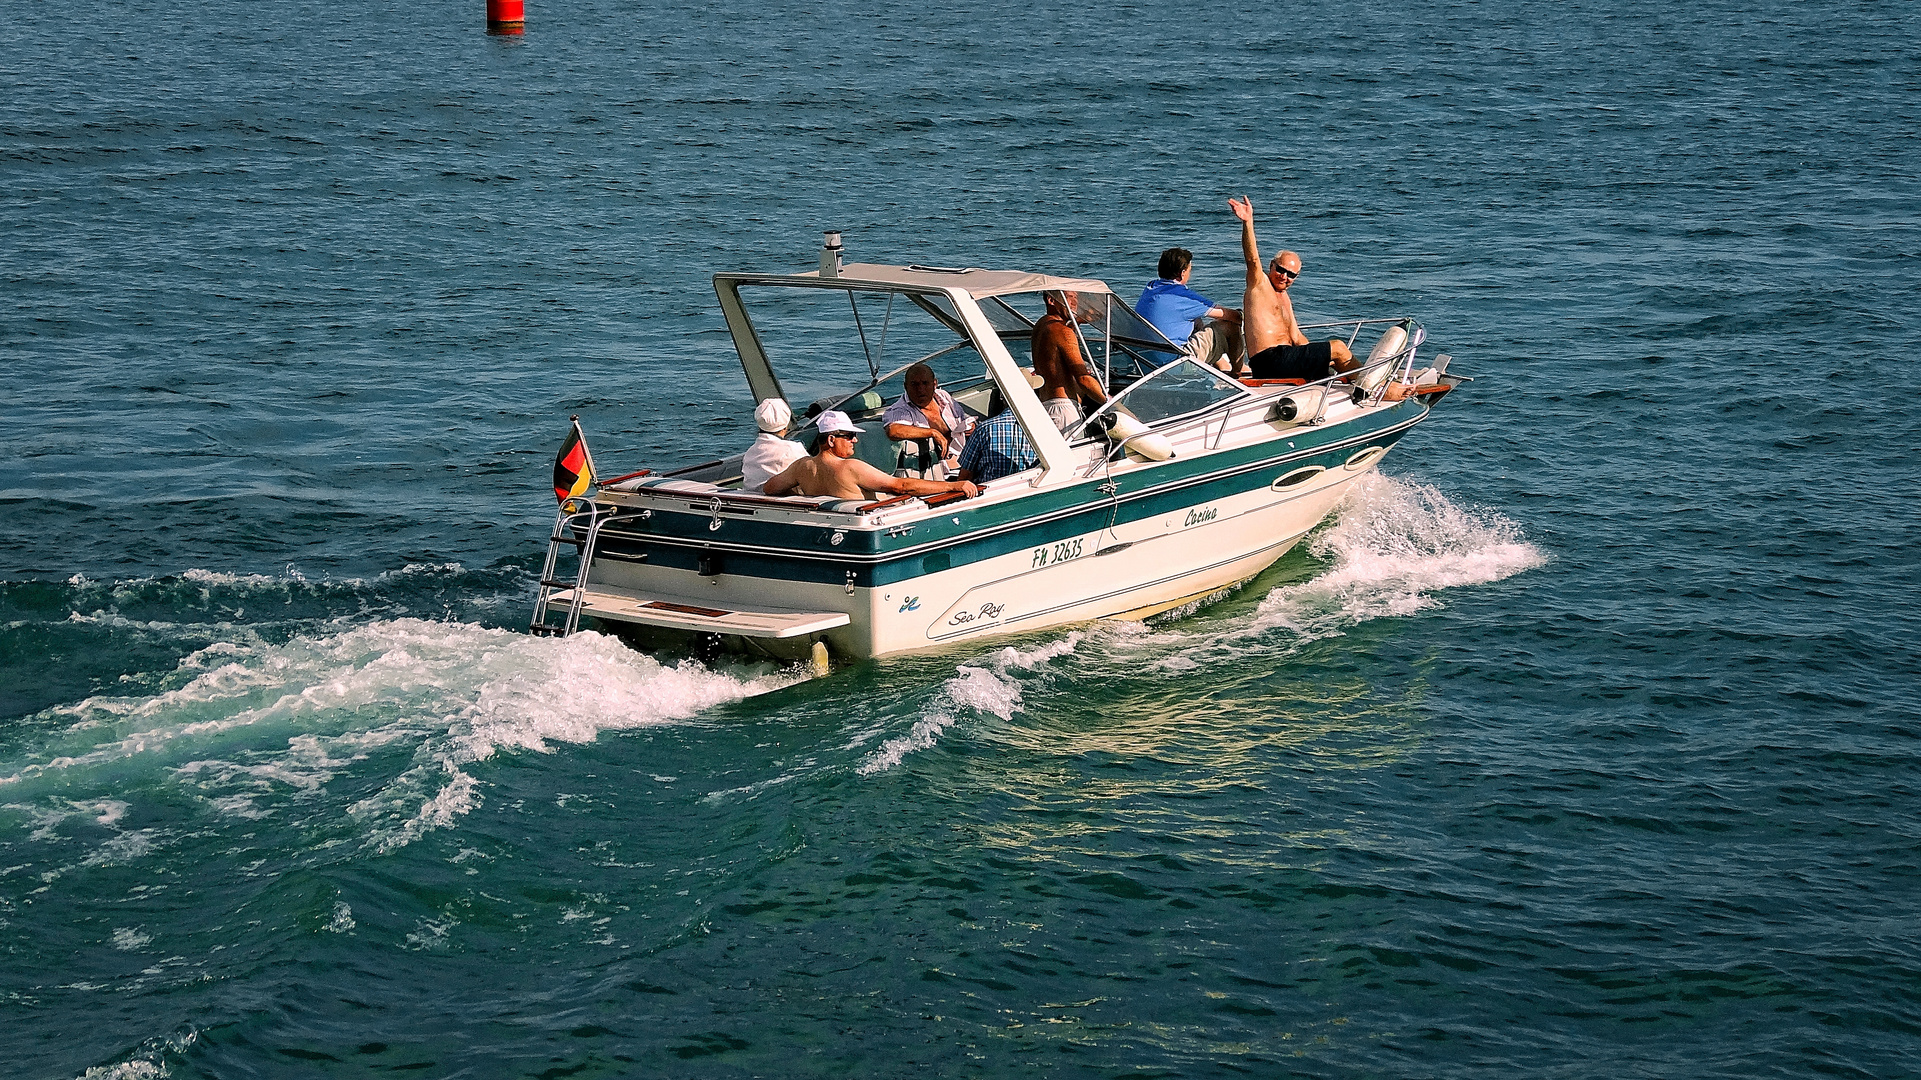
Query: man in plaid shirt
x=997, y=447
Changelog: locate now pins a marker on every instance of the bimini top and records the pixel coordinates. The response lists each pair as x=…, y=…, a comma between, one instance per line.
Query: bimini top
x=972, y=279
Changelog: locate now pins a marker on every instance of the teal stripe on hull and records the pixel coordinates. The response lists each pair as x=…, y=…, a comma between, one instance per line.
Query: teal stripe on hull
x=746, y=547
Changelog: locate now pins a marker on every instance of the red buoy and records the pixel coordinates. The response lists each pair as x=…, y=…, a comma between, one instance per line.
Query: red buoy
x=506, y=17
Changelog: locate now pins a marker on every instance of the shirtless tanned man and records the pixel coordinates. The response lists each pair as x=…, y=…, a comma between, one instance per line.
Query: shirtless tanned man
x=833, y=471
x=1066, y=381
x=1276, y=348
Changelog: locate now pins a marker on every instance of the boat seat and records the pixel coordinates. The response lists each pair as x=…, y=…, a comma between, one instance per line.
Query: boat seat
x=696, y=489
x=876, y=449
x=908, y=456
x=866, y=405
x=691, y=487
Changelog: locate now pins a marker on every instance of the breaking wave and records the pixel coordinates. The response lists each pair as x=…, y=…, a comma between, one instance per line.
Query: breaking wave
x=1393, y=545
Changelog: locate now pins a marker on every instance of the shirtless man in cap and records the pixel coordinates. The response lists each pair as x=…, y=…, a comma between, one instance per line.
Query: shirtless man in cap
x=833, y=470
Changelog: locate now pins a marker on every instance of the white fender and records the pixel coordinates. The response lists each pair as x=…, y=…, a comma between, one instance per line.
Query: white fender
x=1298, y=407
x=1393, y=341
x=1122, y=428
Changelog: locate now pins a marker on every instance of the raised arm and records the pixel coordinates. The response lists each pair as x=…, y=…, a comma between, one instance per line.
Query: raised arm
x=1243, y=208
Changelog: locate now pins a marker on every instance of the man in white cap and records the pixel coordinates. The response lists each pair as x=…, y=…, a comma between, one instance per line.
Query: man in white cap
x=771, y=451
x=833, y=470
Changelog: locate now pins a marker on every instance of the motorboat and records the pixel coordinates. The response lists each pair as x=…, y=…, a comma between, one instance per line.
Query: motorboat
x=1186, y=482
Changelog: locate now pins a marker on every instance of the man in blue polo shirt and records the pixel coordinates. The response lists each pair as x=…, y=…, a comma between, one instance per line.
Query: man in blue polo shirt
x=1178, y=311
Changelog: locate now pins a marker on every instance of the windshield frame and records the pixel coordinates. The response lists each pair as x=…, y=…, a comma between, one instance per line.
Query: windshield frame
x=1084, y=430
x=958, y=300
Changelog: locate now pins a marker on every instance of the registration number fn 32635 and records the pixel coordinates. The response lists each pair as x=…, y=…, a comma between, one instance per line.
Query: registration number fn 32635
x=1061, y=552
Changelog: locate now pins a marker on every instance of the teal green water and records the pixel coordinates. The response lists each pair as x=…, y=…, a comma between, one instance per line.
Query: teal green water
x=1581, y=742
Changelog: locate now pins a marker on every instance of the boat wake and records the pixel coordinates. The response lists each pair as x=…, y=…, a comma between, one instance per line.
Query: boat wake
x=991, y=687
x=1393, y=545
x=383, y=720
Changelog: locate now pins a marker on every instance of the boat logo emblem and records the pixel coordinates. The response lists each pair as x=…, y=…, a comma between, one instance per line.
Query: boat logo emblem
x=912, y=603
x=1199, y=514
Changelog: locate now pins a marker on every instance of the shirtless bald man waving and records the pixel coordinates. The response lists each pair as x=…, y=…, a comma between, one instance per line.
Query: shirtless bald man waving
x=1276, y=348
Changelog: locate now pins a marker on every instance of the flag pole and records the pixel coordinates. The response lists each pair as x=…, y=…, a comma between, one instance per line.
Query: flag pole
x=592, y=472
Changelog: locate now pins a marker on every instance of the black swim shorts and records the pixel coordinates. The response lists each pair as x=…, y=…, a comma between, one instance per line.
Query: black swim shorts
x=1310, y=361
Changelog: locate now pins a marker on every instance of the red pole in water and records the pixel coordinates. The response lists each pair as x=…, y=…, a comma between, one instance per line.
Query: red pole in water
x=506, y=17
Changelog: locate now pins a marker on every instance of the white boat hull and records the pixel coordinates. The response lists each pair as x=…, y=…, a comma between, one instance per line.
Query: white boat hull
x=1133, y=571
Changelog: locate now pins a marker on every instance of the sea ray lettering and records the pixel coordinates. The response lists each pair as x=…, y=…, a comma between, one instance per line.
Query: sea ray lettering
x=989, y=611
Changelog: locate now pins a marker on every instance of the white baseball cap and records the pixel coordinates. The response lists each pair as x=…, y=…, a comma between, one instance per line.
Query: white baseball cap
x=835, y=420
x=773, y=414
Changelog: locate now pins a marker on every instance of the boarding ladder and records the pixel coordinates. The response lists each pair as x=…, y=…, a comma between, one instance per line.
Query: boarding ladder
x=577, y=516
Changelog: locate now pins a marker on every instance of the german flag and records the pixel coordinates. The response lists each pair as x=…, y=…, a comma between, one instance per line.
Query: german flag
x=574, y=467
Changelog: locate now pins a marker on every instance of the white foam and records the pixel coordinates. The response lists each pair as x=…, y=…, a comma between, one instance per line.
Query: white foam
x=431, y=933
x=343, y=918
x=256, y=724
x=1391, y=546
x=219, y=578
x=143, y=1067
x=1395, y=543
x=122, y=848
x=991, y=689
x=126, y=1070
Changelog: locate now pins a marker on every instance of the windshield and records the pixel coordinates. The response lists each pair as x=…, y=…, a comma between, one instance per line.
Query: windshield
x=1120, y=345
x=825, y=344
x=1181, y=388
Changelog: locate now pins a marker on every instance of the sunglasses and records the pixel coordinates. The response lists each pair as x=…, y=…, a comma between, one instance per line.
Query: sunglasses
x=1289, y=274
x=843, y=435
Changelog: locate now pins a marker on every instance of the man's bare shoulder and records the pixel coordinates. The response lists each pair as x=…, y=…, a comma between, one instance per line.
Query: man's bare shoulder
x=860, y=472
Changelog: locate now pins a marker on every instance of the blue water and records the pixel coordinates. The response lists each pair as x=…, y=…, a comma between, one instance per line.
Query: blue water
x=1582, y=742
